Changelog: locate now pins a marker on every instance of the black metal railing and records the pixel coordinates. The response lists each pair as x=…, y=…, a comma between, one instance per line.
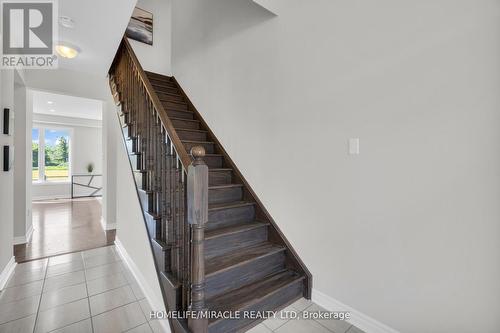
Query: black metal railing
x=86, y=186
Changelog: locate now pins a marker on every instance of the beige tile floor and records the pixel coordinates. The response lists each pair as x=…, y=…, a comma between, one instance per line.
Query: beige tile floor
x=93, y=292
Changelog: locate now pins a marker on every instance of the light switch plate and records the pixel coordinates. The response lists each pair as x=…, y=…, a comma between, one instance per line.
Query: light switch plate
x=354, y=146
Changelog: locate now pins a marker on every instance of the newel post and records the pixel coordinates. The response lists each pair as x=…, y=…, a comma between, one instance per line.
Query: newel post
x=197, y=206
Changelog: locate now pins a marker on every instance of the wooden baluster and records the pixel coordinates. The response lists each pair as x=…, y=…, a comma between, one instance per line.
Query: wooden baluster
x=153, y=163
x=163, y=162
x=197, y=205
x=168, y=179
x=175, y=232
x=158, y=146
x=148, y=149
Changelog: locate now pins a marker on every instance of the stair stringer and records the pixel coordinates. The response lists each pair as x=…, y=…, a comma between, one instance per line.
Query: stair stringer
x=176, y=325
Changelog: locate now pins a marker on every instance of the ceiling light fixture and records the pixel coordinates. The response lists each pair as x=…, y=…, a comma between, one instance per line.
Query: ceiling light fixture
x=52, y=110
x=50, y=102
x=66, y=22
x=66, y=50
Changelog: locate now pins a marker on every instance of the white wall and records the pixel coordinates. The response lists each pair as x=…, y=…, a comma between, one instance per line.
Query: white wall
x=6, y=178
x=22, y=161
x=406, y=232
x=109, y=145
x=156, y=58
x=85, y=148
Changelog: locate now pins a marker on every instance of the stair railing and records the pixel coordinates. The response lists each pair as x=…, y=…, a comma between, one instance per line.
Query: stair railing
x=167, y=166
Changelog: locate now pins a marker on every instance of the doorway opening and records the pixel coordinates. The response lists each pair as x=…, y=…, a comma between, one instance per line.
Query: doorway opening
x=65, y=177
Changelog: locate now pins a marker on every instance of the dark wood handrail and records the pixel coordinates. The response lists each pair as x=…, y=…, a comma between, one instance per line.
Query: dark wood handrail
x=173, y=183
x=167, y=123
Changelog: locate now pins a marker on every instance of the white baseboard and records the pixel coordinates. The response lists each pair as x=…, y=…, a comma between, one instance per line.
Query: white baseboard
x=26, y=238
x=358, y=319
x=107, y=226
x=156, y=301
x=7, y=272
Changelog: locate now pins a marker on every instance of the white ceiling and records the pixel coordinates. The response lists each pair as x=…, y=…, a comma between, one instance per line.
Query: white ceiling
x=99, y=27
x=67, y=106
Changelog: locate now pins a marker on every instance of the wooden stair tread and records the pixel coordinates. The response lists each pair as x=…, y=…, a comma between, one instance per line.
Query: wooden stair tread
x=191, y=130
x=224, y=231
x=168, y=108
x=169, y=94
x=248, y=295
x=195, y=141
x=217, y=187
x=160, y=76
x=159, y=83
x=220, y=263
x=229, y=205
x=183, y=119
x=174, y=102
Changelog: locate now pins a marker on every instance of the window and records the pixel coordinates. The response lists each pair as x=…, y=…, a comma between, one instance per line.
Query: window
x=34, y=148
x=51, y=150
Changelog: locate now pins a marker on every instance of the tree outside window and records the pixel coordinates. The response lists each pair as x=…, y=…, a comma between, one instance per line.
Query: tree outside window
x=51, y=155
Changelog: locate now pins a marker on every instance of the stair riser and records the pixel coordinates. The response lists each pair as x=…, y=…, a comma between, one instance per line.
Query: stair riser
x=146, y=200
x=224, y=195
x=162, y=256
x=135, y=161
x=140, y=180
x=170, y=97
x=123, y=117
x=127, y=132
x=185, y=124
x=194, y=136
x=231, y=216
x=153, y=226
x=209, y=147
x=214, y=161
x=276, y=300
x=222, y=245
x=219, y=177
x=180, y=114
x=244, y=274
x=131, y=145
x=173, y=291
x=175, y=106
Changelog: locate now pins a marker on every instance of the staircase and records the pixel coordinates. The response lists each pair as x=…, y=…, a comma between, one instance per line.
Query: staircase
x=215, y=246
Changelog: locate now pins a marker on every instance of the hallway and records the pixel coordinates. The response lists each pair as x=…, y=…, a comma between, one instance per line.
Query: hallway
x=64, y=226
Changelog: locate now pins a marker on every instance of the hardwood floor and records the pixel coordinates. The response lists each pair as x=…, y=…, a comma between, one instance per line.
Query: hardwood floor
x=64, y=226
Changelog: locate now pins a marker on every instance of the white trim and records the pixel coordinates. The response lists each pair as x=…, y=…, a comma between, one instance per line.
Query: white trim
x=50, y=183
x=154, y=300
x=358, y=319
x=62, y=123
x=7, y=272
x=25, y=238
x=107, y=226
